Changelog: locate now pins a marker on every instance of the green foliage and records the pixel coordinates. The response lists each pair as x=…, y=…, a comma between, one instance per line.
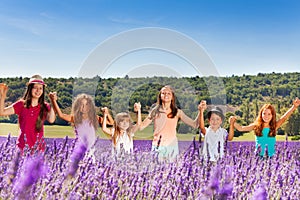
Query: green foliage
x=243, y=94
x=297, y=137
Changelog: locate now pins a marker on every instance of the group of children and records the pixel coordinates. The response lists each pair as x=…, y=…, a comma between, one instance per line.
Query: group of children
x=32, y=111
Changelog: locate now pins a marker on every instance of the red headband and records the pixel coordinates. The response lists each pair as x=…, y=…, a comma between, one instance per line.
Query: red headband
x=37, y=81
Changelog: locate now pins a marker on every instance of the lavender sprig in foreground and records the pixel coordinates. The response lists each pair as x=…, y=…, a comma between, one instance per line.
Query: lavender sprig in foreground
x=33, y=169
x=77, y=155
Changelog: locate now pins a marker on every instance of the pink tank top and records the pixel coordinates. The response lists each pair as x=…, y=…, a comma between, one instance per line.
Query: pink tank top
x=166, y=128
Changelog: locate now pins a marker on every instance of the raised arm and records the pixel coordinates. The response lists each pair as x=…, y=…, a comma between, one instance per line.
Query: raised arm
x=8, y=110
x=109, y=121
x=51, y=115
x=232, y=120
x=288, y=113
x=242, y=128
x=187, y=120
x=53, y=98
x=104, y=124
x=137, y=108
x=147, y=121
x=202, y=106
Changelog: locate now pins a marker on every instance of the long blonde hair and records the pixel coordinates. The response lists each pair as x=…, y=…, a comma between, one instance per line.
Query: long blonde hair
x=119, y=118
x=77, y=115
x=259, y=121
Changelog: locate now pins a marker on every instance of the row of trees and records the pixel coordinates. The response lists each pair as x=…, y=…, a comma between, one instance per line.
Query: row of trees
x=237, y=95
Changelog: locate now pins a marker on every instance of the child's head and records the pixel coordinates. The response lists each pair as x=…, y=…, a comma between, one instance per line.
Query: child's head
x=267, y=115
x=35, y=89
x=166, y=94
x=215, y=118
x=123, y=121
x=84, y=106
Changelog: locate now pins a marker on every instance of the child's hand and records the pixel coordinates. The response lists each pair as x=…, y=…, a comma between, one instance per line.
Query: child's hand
x=104, y=110
x=202, y=106
x=53, y=96
x=137, y=107
x=3, y=88
x=232, y=119
x=296, y=102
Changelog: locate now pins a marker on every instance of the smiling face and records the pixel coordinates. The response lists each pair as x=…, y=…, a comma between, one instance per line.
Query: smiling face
x=37, y=90
x=266, y=115
x=166, y=95
x=215, y=121
x=124, y=124
x=84, y=107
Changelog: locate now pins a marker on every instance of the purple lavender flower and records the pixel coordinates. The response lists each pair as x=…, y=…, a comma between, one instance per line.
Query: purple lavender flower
x=227, y=188
x=258, y=150
x=7, y=141
x=158, y=143
x=140, y=177
x=266, y=153
x=77, y=155
x=13, y=168
x=33, y=169
x=260, y=193
x=200, y=137
x=65, y=143
x=214, y=179
x=214, y=183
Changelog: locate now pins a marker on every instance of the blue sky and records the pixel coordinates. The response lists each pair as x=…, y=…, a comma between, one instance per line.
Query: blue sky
x=55, y=37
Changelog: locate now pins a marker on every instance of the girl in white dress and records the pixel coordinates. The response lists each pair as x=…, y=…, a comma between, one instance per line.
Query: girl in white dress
x=123, y=131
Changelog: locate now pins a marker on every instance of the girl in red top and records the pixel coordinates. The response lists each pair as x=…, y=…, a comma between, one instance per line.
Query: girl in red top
x=32, y=111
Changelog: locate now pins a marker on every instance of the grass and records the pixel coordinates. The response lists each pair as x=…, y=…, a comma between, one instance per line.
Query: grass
x=54, y=131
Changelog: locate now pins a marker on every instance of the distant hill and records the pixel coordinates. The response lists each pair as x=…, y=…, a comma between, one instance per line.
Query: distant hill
x=238, y=95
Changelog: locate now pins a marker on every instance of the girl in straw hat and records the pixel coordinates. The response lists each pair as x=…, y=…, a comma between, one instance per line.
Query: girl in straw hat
x=32, y=111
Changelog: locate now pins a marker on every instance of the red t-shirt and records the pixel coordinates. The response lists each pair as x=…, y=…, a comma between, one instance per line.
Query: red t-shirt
x=27, y=121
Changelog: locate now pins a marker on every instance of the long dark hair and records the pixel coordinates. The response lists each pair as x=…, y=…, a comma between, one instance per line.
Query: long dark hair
x=174, y=109
x=27, y=103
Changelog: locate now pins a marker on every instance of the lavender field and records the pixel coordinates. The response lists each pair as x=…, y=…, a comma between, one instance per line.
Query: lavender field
x=65, y=172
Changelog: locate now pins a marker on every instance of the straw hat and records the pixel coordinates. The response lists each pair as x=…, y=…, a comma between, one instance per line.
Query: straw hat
x=217, y=111
x=36, y=79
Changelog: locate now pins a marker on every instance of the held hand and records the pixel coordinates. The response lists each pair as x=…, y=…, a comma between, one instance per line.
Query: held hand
x=3, y=89
x=296, y=102
x=53, y=96
x=232, y=119
x=104, y=110
x=137, y=107
x=202, y=106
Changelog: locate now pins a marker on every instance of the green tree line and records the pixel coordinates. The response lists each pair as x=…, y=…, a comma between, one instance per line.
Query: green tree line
x=236, y=95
